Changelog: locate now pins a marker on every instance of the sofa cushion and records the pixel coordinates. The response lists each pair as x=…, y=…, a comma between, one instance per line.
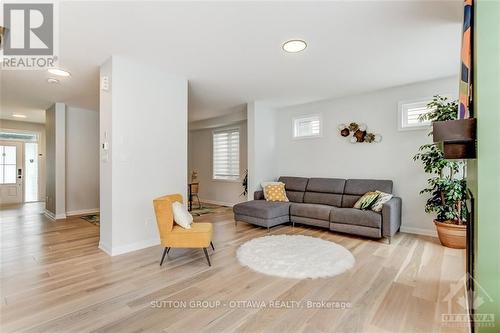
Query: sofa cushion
x=326, y=191
x=326, y=185
x=323, y=198
x=309, y=221
x=295, y=183
x=295, y=187
x=262, y=209
x=355, y=188
x=349, y=200
x=367, y=218
x=313, y=211
x=361, y=186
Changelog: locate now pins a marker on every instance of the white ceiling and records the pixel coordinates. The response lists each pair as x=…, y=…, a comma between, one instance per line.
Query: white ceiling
x=231, y=51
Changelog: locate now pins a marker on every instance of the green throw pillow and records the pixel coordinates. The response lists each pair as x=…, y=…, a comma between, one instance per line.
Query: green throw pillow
x=366, y=201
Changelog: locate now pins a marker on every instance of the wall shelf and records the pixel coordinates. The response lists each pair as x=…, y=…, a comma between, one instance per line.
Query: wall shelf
x=457, y=138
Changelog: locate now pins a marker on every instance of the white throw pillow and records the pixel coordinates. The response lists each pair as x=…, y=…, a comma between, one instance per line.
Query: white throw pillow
x=264, y=184
x=381, y=200
x=181, y=216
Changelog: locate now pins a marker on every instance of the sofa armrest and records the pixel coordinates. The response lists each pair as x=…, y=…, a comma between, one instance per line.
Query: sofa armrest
x=258, y=195
x=391, y=216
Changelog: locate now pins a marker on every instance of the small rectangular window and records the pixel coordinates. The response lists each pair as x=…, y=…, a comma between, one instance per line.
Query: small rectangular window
x=410, y=112
x=11, y=136
x=226, y=154
x=307, y=126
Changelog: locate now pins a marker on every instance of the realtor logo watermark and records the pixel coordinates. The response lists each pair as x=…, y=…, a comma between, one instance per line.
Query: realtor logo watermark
x=29, y=35
x=457, y=299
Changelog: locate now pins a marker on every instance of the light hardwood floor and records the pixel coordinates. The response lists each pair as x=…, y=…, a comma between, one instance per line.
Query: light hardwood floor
x=55, y=279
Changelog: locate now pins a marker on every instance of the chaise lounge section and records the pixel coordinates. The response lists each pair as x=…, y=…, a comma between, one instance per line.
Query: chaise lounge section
x=326, y=203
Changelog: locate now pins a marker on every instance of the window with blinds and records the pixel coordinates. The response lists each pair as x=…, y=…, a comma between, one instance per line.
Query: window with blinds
x=226, y=154
x=307, y=127
x=409, y=114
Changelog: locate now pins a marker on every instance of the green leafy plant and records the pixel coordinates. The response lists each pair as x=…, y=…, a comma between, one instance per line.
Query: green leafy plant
x=441, y=109
x=447, y=187
x=244, y=183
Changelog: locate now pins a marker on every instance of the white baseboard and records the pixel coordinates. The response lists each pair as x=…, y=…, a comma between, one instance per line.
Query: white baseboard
x=105, y=248
x=213, y=202
x=53, y=216
x=419, y=231
x=117, y=250
x=49, y=214
x=82, y=212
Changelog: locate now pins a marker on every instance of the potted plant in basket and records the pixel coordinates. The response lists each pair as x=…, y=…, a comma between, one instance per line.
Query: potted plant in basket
x=447, y=187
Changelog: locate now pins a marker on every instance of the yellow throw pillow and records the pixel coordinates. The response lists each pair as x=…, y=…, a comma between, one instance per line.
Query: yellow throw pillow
x=366, y=201
x=275, y=192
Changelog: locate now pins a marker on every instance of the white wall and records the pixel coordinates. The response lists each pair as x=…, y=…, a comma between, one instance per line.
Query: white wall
x=106, y=162
x=55, y=132
x=145, y=117
x=262, y=163
x=200, y=159
x=82, y=161
x=24, y=126
x=50, y=160
x=333, y=155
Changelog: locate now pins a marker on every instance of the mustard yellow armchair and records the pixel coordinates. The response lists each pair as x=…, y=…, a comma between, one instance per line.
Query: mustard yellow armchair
x=174, y=236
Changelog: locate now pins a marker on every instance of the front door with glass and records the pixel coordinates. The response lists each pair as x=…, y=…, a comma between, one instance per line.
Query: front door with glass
x=11, y=172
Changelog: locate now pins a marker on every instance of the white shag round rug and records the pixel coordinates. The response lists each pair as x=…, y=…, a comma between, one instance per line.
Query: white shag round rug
x=295, y=256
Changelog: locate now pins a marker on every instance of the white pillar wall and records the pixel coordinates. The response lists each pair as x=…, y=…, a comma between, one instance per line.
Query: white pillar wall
x=143, y=138
x=56, y=161
x=261, y=145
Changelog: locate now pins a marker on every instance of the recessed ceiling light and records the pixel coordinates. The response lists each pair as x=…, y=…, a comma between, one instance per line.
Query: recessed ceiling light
x=16, y=115
x=294, y=45
x=52, y=80
x=59, y=72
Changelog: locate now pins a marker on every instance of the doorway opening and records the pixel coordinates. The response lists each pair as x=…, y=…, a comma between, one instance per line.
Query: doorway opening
x=19, y=171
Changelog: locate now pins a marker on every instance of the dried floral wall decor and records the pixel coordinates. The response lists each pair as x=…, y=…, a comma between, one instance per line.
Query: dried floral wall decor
x=358, y=133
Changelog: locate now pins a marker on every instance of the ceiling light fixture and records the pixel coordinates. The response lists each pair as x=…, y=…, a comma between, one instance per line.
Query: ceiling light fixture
x=52, y=80
x=294, y=45
x=16, y=115
x=58, y=72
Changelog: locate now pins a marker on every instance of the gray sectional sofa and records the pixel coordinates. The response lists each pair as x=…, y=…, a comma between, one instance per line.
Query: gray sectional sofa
x=326, y=203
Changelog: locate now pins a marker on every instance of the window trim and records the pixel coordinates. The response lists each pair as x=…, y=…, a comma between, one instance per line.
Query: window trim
x=20, y=132
x=306, y=116
x=230, y=180
x=401, y=117
x=427, y=99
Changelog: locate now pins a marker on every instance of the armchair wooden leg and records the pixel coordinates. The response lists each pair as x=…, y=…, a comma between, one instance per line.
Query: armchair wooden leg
x=212, y=245
x=165, y=251
x=206, y=255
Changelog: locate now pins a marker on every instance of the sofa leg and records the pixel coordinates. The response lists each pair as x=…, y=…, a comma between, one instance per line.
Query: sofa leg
x=206, y=255
x=388, y=240
x=268, y=230
x=293, y=224
x=165, y=251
